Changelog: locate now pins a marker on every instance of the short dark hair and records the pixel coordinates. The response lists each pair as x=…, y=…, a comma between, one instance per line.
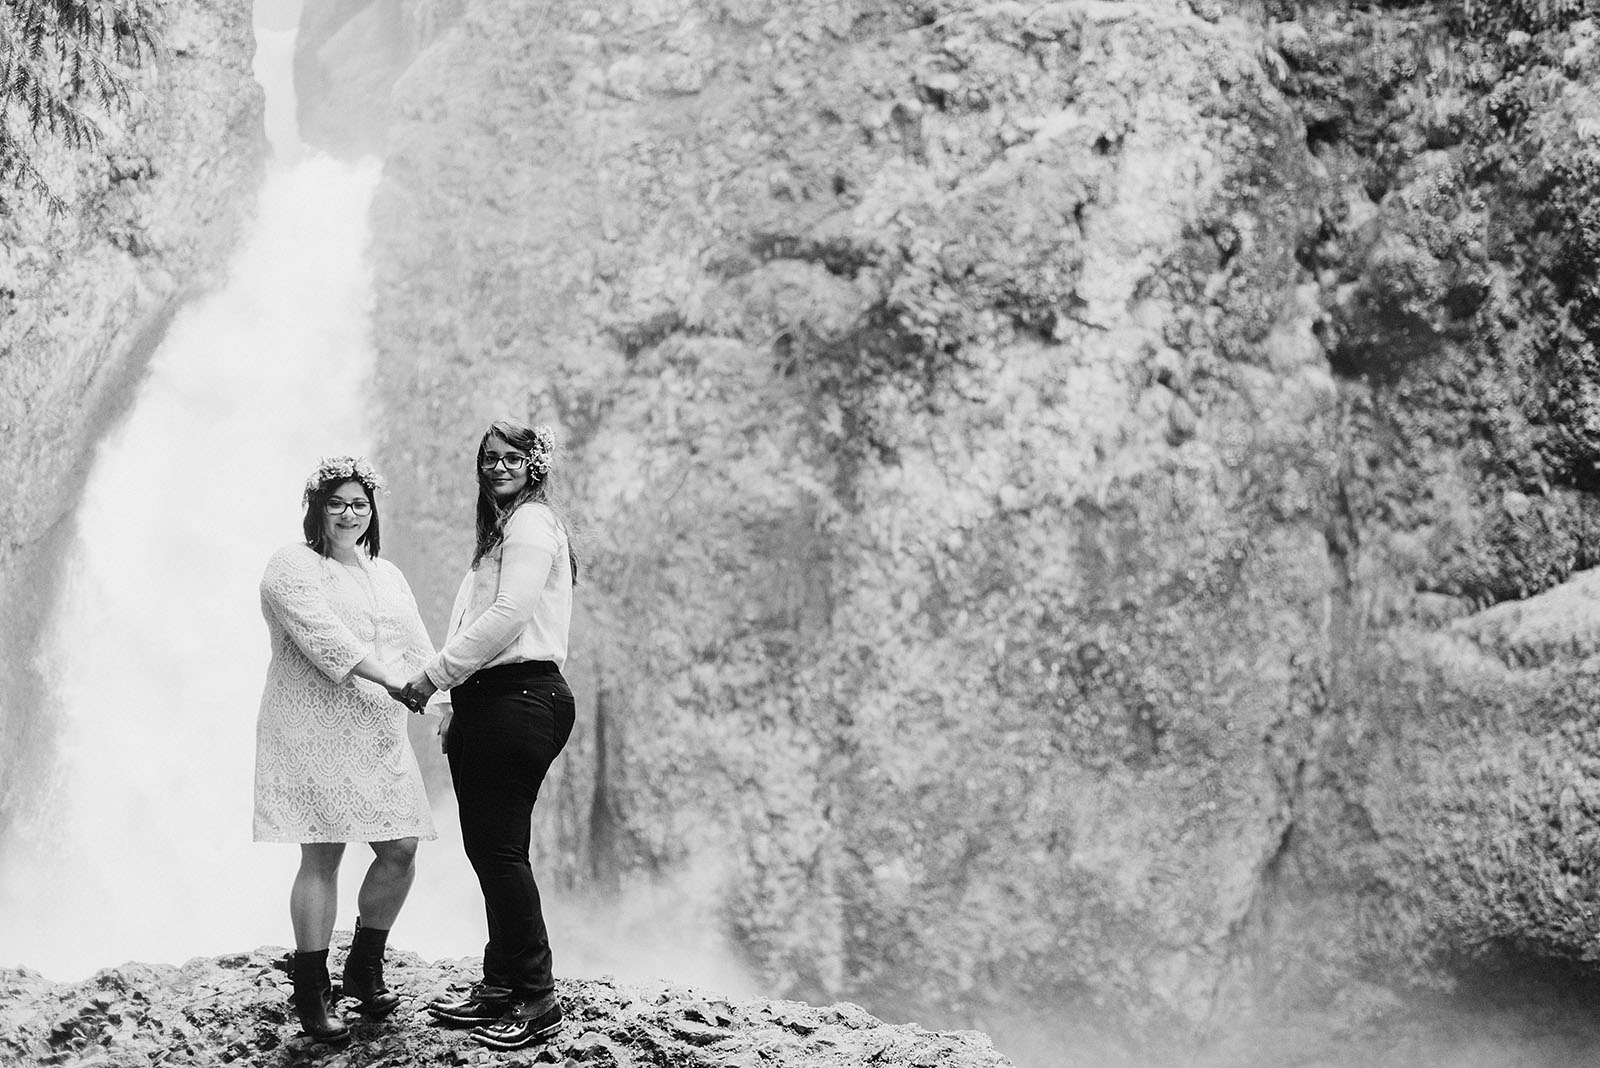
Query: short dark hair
x=317, y=498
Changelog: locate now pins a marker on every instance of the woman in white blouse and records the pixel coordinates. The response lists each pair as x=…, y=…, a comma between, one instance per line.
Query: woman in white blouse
x=511, y=715
x=333, y=762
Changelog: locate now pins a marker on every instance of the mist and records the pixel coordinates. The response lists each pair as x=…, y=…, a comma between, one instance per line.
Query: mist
x=135, y=844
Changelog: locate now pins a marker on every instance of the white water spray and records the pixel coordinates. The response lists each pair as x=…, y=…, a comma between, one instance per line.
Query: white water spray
x=156, y=652
x=155, y=663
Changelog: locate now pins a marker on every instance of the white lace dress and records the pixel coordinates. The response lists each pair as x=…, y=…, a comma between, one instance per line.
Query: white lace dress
x=333, y=763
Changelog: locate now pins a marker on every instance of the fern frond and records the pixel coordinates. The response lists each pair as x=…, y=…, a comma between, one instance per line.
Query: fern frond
x=18, y=171
x=56, y=54
x=34, y=31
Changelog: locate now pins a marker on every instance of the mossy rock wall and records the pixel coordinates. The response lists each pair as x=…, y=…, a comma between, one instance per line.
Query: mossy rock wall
x=1439, y=832
x=1043, y=471
x=951, y=450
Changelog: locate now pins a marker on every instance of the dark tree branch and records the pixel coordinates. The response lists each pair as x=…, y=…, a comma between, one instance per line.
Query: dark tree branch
x=60, y=61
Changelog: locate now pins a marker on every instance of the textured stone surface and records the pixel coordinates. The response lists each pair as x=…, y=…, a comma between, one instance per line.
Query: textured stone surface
x=951, y=445
x=1033, y=459
x=236, y=1009
x=83, y=299
x=1444, y=824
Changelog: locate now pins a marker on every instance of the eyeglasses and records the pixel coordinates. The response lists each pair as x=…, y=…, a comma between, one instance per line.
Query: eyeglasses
x=514, y=461
x=335, y=506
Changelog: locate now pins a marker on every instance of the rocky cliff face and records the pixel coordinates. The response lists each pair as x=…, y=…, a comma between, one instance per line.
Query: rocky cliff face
x=1447, y=813
x=945, y=417
x=83, y=299
x=1039, y=465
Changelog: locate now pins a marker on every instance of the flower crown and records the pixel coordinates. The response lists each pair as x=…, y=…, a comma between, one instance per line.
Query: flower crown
x=343, y=469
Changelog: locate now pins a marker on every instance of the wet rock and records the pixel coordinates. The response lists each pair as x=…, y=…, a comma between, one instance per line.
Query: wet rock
x=716, y=1013
x=608, y=1024
x=697, y=1034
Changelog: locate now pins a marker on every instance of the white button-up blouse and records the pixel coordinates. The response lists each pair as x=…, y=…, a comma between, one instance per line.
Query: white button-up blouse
x=516, y=605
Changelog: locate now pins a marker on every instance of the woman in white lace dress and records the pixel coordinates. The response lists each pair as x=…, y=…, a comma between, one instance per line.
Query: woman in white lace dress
x=333, y=762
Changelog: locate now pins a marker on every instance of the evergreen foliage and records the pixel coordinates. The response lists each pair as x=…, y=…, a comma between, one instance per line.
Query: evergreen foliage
x=1484, y=18
x=63, y=70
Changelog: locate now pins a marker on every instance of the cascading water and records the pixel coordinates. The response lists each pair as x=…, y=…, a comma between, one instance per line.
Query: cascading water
x=156, y=653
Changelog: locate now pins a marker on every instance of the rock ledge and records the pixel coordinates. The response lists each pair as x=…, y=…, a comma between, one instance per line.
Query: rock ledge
x=235, y=1009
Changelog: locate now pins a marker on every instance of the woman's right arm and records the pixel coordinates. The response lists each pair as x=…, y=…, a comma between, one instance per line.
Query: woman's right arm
x=291, y=590
x=531, y=542
x=374, y=670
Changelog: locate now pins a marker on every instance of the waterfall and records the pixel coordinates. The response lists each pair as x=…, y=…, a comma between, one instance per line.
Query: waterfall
x=156, y=649
x=155, y=654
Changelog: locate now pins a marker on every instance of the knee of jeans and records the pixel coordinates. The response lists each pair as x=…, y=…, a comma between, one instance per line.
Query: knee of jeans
x=494, y=854
x=510, y=859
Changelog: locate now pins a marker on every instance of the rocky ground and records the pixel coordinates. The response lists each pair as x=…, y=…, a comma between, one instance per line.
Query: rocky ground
x=235, y=1009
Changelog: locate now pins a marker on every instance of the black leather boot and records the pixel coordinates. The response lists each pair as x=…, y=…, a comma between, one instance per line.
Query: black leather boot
x=482, y=1004
x=313, y=997
x=363, y=973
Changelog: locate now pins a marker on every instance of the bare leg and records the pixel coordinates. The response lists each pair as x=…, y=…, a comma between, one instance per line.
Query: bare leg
x=314, y=900
x=388, y=881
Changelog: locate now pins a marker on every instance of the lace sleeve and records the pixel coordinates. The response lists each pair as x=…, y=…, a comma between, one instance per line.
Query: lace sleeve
x=416, y=647
x=291, y=590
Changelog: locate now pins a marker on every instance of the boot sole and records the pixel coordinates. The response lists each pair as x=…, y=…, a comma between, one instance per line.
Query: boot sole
x=541, y=1035
x=462, y=1021
x=337, y=1039
x=377, y=1012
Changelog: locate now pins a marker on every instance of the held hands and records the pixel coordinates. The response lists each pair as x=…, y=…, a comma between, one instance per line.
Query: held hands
x=414, y=694
x=420, y=689
x=397, y=690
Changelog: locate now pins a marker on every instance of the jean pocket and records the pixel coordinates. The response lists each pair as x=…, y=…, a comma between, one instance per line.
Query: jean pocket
x=566, y=710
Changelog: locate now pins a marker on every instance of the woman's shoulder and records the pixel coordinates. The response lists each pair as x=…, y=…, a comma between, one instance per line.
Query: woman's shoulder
x=533, y=519
x=295, y=559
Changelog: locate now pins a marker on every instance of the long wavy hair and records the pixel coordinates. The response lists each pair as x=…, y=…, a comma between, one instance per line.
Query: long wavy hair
x=493, y=516
x=316, y=498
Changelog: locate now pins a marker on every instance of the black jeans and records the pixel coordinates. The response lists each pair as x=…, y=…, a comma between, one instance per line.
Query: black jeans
x=510, y=722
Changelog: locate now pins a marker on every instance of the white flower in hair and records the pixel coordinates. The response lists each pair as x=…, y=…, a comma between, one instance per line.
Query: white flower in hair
x=544, y=444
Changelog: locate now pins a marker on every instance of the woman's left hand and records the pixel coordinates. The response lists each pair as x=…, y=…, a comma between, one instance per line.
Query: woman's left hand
x=416, y=692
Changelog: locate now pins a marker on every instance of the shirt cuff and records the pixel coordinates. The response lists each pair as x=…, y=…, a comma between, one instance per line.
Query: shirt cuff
x=436, y=674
